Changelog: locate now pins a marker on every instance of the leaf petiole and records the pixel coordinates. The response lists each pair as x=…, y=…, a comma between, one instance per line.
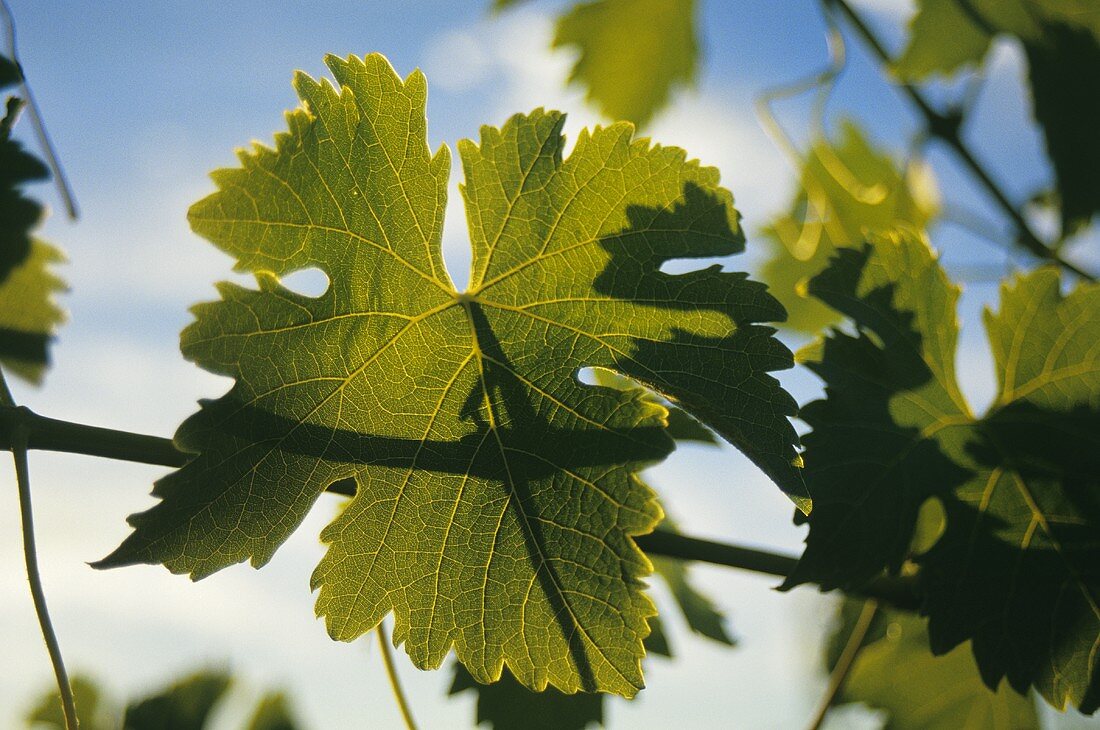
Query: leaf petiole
x=395, y=681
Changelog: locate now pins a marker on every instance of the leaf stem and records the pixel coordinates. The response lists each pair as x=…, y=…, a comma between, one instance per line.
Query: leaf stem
x=51, y=434
x=395, y=682
x=946, y=127
x=18, y=439
x=846, y=661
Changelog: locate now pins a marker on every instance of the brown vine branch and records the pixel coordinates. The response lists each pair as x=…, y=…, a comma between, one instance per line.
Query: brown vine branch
x=51, y=434
x=946, y=128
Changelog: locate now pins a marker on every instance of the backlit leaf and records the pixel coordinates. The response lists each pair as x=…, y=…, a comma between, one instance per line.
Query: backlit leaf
x=496, y=495
x=1017, y=569
x=847, y=188
x=895, y=672
x=632, y=53
x=29, y=316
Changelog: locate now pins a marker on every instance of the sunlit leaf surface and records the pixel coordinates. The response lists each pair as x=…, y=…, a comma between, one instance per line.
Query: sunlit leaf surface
x=496, y=493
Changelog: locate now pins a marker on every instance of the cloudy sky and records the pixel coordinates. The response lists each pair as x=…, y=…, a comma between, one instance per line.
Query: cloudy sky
x=144, y=98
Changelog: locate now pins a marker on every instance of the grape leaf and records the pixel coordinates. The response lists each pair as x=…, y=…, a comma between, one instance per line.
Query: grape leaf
x=508, y=705
x=28, y=314
x=91, y=710
x=1016, y=570
x=895, y=672
x=1069, y=116
x=273, y=713
x=496, y=495
x=185, y=705
x=1062, y=41
x=846, y=188
x=632, y=53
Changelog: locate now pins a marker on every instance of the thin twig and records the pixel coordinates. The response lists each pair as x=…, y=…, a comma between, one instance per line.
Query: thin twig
x=945, y=127
x=63, y=187
x=395, y=682
x=846, y=661
x=30, y=554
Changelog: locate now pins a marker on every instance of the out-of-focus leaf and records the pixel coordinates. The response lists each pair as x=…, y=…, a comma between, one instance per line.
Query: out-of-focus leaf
x=497, y=497
x=91, y=710
x=847, y=189
x=185, y=705
x=28, y=314
x=1062, y=66
x=896, y=672
x=508, y=705
x=699, y=611
x=273, y=713
x=9, y=73
x=1017, y=569
x=18, y=213
x=1062, y=40
x=632, y=53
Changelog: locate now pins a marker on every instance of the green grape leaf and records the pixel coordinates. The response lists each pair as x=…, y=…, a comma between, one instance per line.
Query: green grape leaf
x=273, y=713
x=895, y=672
x=18, y=214
x=1069, y=116
x=1062, y=41
x=507, y=705
x=91, y=710
x=943, y=38
x=28, y=314
x=496, y=496
x=1016, y=569
x=846, y=188
x=632, y=53
x=889, y=388
x=185, y=705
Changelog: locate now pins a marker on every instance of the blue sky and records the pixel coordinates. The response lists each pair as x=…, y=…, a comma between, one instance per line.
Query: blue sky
x=143, y=99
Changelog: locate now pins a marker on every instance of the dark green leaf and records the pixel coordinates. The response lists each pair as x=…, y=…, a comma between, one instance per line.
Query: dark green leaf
x=1062, y=66
x=897, y=673
x=1062, y=40
x=508, y=705
x=9, y=73
x=185, y=705
x=632, y=53
x=18, y=214
x=496, y=495
x=1017, y=569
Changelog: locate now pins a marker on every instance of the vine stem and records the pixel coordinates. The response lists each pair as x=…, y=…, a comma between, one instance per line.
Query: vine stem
x=846, y=661
x=18, y=440
x=51, y=434
x=945, y=127
x=395, y=682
